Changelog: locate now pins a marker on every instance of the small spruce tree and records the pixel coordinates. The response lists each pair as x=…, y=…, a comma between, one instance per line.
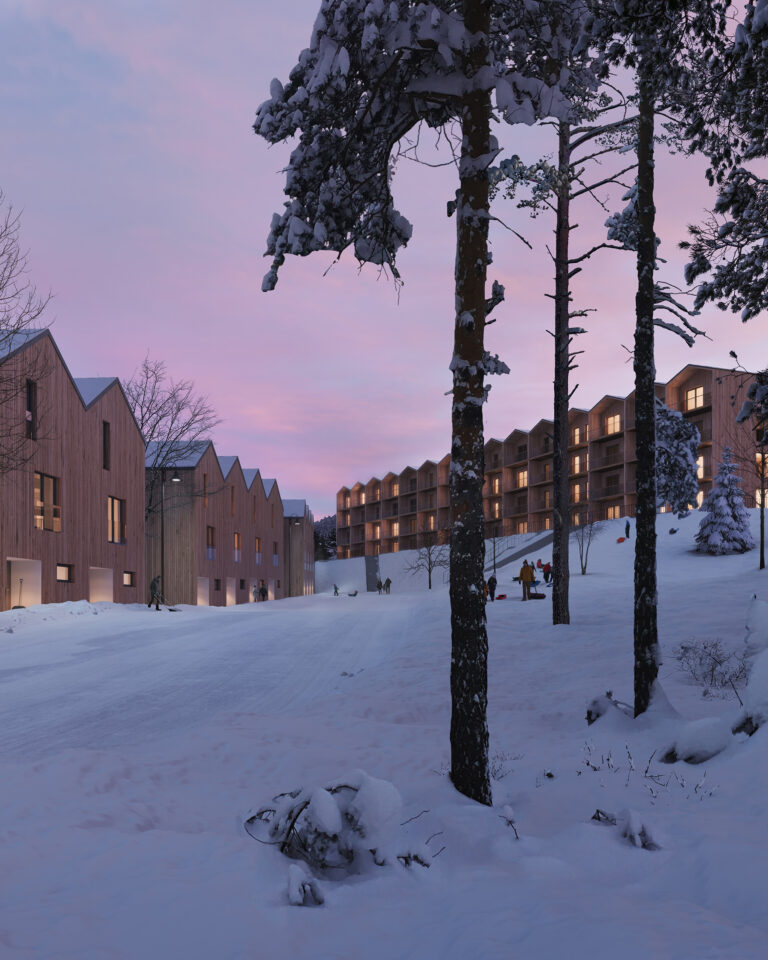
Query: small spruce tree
x=677, y=450
x=725, y=528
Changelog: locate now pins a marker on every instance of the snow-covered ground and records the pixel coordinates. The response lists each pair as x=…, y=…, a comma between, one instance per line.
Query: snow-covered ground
x=134, y=744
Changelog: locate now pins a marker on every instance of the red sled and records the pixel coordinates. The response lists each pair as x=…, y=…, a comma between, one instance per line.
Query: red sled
x=620, y=539
x=501, y=596
x=537, y=596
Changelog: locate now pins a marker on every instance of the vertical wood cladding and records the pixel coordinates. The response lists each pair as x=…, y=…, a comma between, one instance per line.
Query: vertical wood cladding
x=206, y=498
x=70, y=446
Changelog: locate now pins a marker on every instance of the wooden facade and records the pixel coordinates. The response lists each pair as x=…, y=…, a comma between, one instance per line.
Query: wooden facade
x=299, y=537
x=223, y=532
x=404, y=510
x=71, y=516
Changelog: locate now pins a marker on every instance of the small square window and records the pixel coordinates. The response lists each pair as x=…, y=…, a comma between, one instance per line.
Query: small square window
x=65, y=573
x=129, y=578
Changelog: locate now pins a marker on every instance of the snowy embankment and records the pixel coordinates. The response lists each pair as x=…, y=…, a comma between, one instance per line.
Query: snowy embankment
x=134, y=745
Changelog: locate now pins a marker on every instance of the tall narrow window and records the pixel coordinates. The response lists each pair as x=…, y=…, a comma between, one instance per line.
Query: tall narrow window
x=238, y=548
x=258, y=557
x=613, y=424
x=275, y=556
x=210, y=543
x=105, y=445
x=205, y=489
x=30, y=415
x=115, y=520
x=47, y=503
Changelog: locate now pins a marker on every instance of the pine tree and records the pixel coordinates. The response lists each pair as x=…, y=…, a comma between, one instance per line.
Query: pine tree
x=725, y=528
x=677, y=450
x=374, y=71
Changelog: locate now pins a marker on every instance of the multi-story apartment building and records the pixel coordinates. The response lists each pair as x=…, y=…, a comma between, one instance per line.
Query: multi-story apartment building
x=71, y=482
x=405, y=510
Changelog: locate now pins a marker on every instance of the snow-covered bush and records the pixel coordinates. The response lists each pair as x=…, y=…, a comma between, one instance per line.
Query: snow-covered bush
x=340, y=828
x=755, y=713
x=698, y=741
x=708, y=664
x=725, y=528
x=756, y=636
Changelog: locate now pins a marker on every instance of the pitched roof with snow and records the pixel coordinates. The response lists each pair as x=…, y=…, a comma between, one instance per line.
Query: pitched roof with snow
x=250, y=475
x=226, y=464
x=91, y=388
x=294, y=508
x=14, y=341
x=180, y=455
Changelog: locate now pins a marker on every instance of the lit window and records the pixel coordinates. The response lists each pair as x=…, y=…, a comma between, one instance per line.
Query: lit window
x=496, y=509
x=496, y=485
x=614, y=513
x=362, y=498
x=129, y=578
x=258, y=550
x=238, y=548
x=547, y=499
x=275, y=555
x=210, y=543
x=576, y=435
x=576, y=494
x=522, y=526
x=522, y=478
x=700, y=467
x=396, y=528
x=65, y=573
x=694, y=398
x=115, y=520
x=376, y=532
x=395, y=489
x=547, y=523
x=431, y=521
x=613, y=423
x=47, y=503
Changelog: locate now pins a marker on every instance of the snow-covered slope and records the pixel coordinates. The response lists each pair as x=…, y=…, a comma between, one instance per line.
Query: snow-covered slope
x=134, y=744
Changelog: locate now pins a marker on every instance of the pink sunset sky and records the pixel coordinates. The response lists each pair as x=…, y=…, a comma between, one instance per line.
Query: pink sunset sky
x=146, y=197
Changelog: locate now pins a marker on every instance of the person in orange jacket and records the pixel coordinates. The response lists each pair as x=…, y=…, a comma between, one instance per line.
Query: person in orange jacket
x=526, y=577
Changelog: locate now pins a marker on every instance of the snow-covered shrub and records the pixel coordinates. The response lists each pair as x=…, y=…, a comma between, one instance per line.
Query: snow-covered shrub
x=600, y=705
x=755, y=713
x=677, y=447
x=725, y=528
x=708, y=664
x=340, y=828
x=756, y=636
x=630, y=826
x=698, y=741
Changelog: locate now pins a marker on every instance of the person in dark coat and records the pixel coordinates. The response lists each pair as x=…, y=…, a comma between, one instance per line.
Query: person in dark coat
x=626, y=529
x=387, y=585
x=379, y=585
x=492, y=586
x=263, y=592
x=154, y=593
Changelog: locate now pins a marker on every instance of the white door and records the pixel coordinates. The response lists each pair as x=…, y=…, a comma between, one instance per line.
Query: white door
x=25, y=581
x=203, y=591
x=100, y=585
x=231, y=592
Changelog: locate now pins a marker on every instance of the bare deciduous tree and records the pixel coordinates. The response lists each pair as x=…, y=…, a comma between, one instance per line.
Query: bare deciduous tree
x=584, y=532
x=172, y=417
x=430, y=556
x=21, y=310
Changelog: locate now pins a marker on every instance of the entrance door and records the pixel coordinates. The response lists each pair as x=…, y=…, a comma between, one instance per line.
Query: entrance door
x=100, y=585
x=203, y=591
x=231, y=592
x=25, y=582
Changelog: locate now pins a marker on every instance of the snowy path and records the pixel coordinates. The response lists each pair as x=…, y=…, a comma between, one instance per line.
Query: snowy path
x=114, y=684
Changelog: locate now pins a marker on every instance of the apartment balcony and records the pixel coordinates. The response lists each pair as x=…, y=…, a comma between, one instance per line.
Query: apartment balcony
x=613, y=435
x=581, y=472
x=539, y=481
x=543, y=450
x=603, y=463
x=516, y=457
x=605, y=493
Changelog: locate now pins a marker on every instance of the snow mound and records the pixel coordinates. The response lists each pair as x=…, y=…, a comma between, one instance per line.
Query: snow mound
x=698, y=741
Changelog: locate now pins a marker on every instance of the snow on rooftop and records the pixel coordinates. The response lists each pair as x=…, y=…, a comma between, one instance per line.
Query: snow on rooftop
x=294, y=508
x=16, y=340
x=226, y=464
x=90, y=388
x=250, y=475
x=187, y=454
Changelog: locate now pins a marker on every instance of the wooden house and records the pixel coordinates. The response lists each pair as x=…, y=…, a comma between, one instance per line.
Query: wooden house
x=72, y=492
x=218, y=533
x=299, y=539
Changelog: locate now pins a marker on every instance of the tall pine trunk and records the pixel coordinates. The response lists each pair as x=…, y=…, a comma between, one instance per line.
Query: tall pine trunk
x=645, y=622
x=469, y=638
x=561, y=579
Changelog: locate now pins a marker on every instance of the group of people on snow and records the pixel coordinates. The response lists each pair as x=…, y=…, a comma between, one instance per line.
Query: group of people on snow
x=527, y=577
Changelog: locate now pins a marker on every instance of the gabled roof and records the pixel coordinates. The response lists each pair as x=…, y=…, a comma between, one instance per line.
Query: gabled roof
x=268, y=484
x=15, y=341
x=181, y=455
x=91, y=388
x=249, y=475
x=294, y=508
x=226, y=464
